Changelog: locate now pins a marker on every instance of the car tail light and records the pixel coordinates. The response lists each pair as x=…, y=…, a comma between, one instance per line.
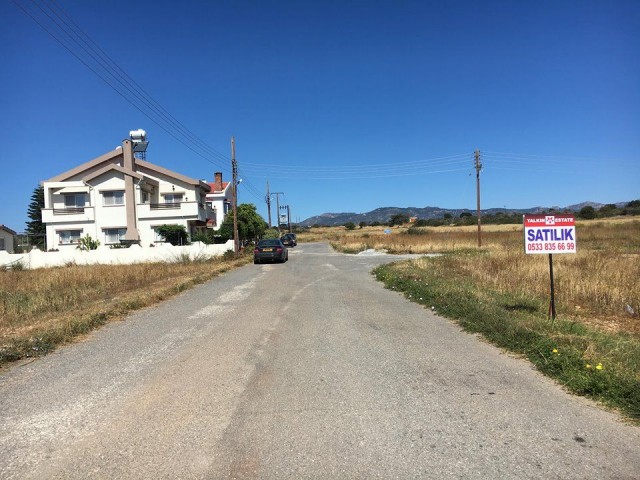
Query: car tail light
x=256, y=250
x=279, y=250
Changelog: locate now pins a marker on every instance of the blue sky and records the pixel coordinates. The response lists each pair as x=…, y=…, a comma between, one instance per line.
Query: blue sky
x=345, y=106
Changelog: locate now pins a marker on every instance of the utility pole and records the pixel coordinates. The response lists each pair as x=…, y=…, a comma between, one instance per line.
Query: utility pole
x=289, y=217
x=277, y=194
x=478, y=168
x=234, y=170
x=268, y=199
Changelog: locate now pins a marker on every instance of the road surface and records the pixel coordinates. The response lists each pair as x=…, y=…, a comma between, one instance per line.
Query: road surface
x=309, y=369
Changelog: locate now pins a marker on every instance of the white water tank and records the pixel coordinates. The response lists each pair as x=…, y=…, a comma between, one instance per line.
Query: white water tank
x=138, y=135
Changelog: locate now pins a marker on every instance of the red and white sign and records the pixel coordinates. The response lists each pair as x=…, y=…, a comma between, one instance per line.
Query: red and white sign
x=549, y=234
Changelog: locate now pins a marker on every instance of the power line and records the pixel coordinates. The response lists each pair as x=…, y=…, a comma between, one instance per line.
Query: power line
x=101, y=67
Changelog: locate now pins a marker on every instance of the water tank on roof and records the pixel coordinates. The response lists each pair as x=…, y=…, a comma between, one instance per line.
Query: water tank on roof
x=138, y=135
x=139, y=140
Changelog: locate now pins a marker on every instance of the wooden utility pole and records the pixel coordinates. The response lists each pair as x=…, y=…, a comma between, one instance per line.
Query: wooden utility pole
x=277, y=194
x=478, y=168
x=234, y=170
x=268, y=200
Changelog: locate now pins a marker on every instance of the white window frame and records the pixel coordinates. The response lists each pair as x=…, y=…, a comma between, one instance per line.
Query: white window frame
x=75, y=197
x=173, y=197
x=113, y=198
x=63, y=233
x=120, y=232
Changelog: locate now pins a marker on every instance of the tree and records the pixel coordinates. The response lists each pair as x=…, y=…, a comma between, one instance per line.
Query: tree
x=608, y=210
x=174, y=234
x=250, y=224
x=632, y=208
x=350, y=226
x=362, y=224
x=36, y=230
x=447, y=216
x=588, y=212
x=398, y=219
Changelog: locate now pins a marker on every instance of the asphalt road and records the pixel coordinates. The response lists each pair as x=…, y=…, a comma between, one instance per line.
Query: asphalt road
x=309, y=369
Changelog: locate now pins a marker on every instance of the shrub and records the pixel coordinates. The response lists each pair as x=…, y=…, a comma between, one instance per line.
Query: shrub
x=87, y=243
x=588, y=212
x=204, y=236
x=174, y=234
x=350, y=226
x=399, y=219
x=271, y=233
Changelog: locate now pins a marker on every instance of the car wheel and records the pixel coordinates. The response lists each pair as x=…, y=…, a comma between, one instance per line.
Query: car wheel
x=255, y=261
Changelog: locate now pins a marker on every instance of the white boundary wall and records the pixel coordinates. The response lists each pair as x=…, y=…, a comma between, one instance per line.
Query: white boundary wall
x=164, y=252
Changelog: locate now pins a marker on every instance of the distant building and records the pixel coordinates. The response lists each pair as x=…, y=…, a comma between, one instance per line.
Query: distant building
x=7, y=239
x=413, y=219
x=119, y=198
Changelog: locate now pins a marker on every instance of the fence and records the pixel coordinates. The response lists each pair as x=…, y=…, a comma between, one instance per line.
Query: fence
x=164, y=252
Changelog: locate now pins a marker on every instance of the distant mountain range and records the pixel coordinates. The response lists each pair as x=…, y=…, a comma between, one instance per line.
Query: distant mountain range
x=384, y=214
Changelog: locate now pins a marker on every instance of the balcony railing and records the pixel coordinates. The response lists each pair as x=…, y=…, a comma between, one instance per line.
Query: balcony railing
x=164, y=206
x=68, y=210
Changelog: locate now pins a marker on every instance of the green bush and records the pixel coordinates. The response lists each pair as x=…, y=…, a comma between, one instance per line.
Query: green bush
x=205, y=236
x=588, y=212
x=87, y=243
x=174, y=234
x=271, y=233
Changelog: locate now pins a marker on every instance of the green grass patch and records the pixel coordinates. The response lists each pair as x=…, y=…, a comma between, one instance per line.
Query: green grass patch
x=597, y=364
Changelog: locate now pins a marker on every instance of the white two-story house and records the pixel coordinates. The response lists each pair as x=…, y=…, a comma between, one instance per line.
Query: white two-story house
x=118, y=198
x=219, y=200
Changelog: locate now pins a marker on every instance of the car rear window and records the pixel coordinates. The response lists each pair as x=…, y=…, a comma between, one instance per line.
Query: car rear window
x=269, y=243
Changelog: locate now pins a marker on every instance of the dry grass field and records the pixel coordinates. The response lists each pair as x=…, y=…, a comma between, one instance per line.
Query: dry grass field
x=597, y=285
x=40, y=309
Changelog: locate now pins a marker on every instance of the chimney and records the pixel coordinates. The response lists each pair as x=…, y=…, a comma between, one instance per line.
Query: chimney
x=218, y=181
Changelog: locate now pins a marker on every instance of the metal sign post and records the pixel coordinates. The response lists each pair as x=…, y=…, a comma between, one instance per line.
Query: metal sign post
x=552, y=303
x=550, y=234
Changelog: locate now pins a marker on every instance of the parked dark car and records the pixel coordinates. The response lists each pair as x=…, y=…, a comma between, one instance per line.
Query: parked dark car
x=270, y=250
x=289, y=239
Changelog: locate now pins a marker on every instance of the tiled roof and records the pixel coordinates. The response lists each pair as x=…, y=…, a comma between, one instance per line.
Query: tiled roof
x=213, y=187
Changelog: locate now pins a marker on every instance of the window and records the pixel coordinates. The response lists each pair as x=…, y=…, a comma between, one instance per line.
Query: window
x=172, y=197
x=2, y=244
x=114, y=235
x=74, y=200
x=68, y=237
x=113, y=198
x=144, y=196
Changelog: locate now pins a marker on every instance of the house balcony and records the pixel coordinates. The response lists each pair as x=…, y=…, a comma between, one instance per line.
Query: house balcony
x=190, y=210
x=68, y=214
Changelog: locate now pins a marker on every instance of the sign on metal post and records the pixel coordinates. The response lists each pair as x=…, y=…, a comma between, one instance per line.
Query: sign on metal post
x=550, y=234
